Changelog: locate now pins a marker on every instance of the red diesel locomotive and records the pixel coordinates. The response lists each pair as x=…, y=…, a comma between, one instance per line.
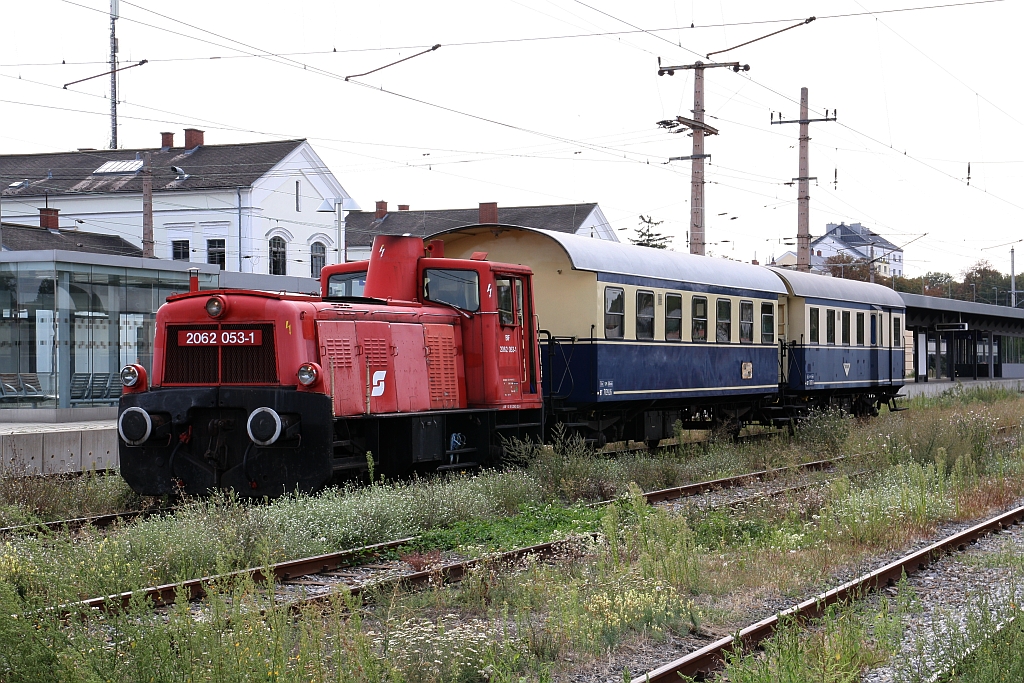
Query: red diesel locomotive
x=431, y=365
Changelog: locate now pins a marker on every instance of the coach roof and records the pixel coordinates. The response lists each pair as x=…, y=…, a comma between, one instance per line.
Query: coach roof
x=603, y=256
x=824, y=287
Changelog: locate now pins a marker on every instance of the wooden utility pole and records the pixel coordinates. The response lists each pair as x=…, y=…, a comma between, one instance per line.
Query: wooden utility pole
x=803, y=211
x=698, y=130
x=147, y=205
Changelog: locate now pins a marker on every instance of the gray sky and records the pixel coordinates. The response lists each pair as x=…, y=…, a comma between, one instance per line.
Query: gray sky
x=524, y=104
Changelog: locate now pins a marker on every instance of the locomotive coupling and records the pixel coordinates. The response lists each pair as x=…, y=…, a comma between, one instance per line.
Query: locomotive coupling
x=265, y=426
x=136, y=426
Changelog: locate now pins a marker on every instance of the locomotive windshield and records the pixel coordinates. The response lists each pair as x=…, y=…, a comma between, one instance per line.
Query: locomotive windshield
x=459, y=288
x=346, y=284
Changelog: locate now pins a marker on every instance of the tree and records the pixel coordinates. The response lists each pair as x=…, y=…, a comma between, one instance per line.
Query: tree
x=847, y=267
x=647, y=237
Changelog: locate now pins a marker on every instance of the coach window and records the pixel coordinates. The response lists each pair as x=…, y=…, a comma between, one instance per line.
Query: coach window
x=673, y=317
x=897, y=340
x=812, y=334
x=506, y=304
x=767, y=324
x=830, y=326
x=724, y=318
x=459, y=288
x=846, y=328
x=746, y=322
x=644, y=315
x=614, y=313
x=699, y=332
x=860, y=329
x=874, y=330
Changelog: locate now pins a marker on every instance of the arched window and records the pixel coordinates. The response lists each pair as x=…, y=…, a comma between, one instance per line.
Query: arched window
x=278, y=256
x=317, y=258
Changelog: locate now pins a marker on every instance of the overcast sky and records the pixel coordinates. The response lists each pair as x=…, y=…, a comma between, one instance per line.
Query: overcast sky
x=556, y=101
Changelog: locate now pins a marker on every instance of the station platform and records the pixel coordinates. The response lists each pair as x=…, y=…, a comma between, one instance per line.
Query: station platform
x=936, y=387
x=51, y=448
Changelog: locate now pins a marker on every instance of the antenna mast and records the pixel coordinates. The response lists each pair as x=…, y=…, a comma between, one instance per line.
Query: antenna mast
x=114, y=13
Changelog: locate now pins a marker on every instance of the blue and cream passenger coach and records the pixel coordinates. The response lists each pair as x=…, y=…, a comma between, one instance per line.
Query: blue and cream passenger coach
x=635, y=338
x=843, y=341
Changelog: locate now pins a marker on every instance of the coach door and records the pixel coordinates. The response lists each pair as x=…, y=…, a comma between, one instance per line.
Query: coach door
x=512, y=366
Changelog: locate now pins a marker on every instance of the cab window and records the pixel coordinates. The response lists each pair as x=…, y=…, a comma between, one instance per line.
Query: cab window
x=346, y=284
x=506, y=301
x=459, y=288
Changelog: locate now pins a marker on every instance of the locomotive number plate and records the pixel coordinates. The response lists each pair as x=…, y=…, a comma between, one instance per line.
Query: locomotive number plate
x=220, y=338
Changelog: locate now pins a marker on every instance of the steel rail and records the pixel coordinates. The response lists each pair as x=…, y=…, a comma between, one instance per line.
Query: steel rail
x=710, y=657
x=79, y=522
x=283, y=571
x=167, y=594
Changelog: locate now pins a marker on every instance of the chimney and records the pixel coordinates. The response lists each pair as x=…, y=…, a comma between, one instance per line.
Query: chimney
x=193, y=138
x=403, y=207
x=755, y=262
x=488, y=213
x=167, y=140
x=382, y=209
x=48, y=218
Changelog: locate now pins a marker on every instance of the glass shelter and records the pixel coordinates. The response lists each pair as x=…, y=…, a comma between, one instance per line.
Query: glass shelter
x=70, y=320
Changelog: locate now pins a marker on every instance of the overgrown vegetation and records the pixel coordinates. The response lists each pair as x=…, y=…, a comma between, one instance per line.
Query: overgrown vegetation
x=26, y=500
x=648, y=573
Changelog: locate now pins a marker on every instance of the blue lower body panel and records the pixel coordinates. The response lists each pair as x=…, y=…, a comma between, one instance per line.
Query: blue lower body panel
x=585, y=372
x=841, y=368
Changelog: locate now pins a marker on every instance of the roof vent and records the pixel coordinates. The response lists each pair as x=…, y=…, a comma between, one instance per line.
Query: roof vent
x=18, y=184
x=122, y=167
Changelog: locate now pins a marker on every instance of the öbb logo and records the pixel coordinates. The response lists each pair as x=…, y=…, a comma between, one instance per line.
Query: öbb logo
x=378, y=383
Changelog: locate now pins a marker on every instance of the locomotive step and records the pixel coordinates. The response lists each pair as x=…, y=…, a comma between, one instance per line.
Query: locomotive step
x=457, y=451
x=521, y=424
x=346, y=442
x=341, y=464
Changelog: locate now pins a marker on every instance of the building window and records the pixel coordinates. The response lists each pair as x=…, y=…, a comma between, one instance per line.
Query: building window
x=278, y=256
x=179, y=250
x=897, y=340
x=767, y=324
x=673, y=317
x=298, y=186
x=215, y=253
x=830, y=327
x=614, y=313
x=846, y=328
x=699, y=333
x=317, y=258
x=644, y=315
x=860, y=329
x=746, y=322
x=813, y=331
x=724, y=319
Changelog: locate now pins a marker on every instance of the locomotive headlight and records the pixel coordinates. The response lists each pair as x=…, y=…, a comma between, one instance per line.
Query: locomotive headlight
x=215, y=306
x=308, y=374
x=129, y=376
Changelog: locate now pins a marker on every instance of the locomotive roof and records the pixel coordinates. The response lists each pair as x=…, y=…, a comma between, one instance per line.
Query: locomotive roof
x=603, y=256
x=824, y=287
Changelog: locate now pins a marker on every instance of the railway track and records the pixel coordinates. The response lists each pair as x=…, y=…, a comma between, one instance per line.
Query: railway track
x=330, y=566
x=709, y=658
x=79, y=522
